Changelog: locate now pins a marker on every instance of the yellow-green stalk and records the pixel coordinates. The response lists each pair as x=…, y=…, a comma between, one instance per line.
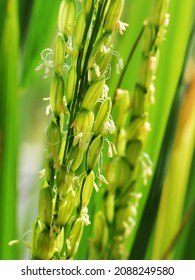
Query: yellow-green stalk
x=82, y=54
x=123, y=195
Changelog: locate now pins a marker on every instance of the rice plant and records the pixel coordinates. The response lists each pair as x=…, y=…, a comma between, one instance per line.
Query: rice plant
x=97, y=129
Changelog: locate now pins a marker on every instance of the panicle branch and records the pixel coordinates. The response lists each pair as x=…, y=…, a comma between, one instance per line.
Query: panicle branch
x=79, y=122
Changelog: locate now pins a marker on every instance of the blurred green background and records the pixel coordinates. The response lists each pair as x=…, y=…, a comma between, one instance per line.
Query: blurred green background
x=166, y=222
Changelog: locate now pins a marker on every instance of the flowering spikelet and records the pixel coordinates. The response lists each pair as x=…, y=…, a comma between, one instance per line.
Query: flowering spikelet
x=102, y=116
x=67, y=16
x=79, y=29
x=59, y=53
x=70, y=87
x=93, y=93
x=87, y=189
x=94, y=151
x=113, y=15
x=56, y=95
x=82, y=128
x=87, y=4
x=53, y=140
x=45, y=205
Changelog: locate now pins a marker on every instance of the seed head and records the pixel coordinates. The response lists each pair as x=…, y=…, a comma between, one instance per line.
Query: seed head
x=93, y=93
x=65, y=208
x=102, y=116
x=87, y=5
x=124, y=220
x=100, y=232
x=75, y=157
x=56, y=95
x=53, y=140
x=74, y=239
x=139, y=100
x=64, y=181
x=79, y=29
x=159, y=11
x=59, y=242
x=94, y=151
x=122, y=105
x=45, y=205
x=45, y=245
x=137, y=129
x=113, y=15
x=66, y=17
x=70, y=87
x=118, y=173
x=133, y=151
x=87, y=189
x=59, y=55
x=101, y=62
x=49, y=171
x=148, y=38
x=147, y=71
x=110, y=207
x=82, y=128
x=121, y=142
